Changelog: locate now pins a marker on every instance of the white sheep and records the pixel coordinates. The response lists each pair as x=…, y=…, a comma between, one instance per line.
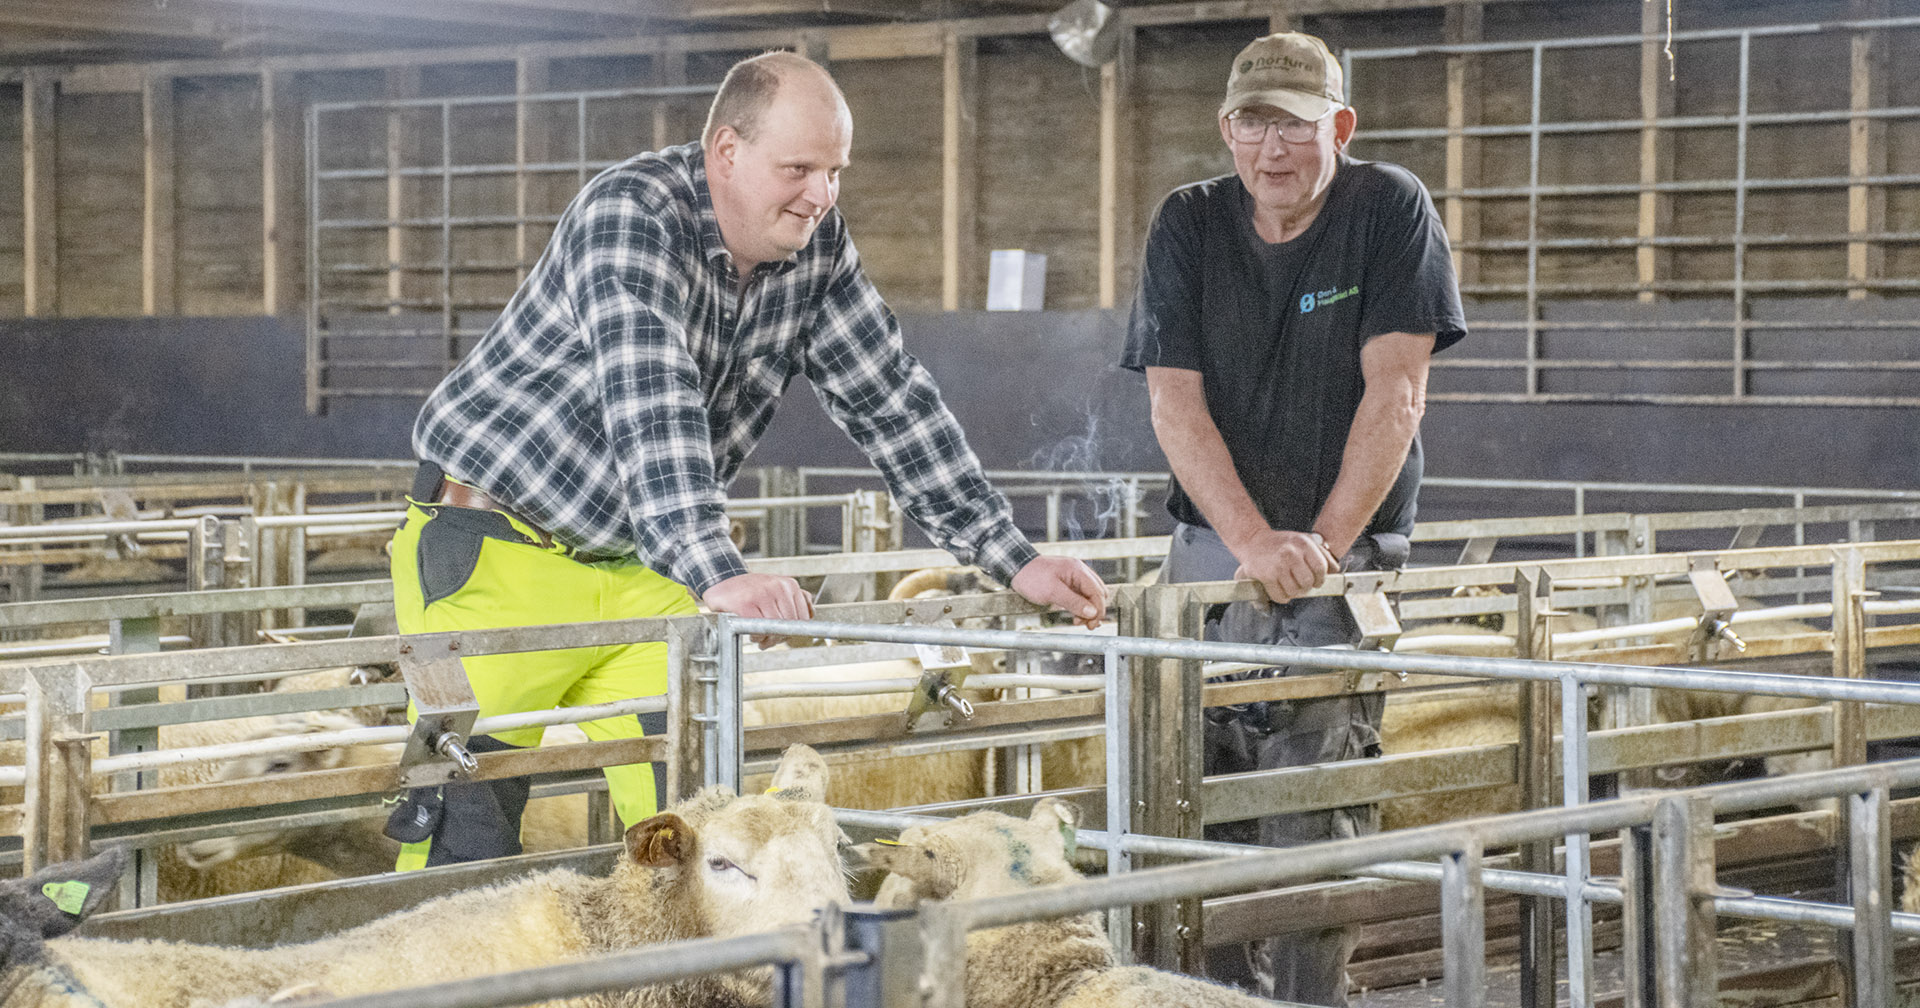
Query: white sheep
x=1062, y=963
x=715, y=865
x=176, y=879
x=870, y=782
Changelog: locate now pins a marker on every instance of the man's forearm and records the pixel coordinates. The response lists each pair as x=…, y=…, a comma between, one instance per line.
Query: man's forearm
x=1376, y=448
x=1394, y=366
x=1198, y=457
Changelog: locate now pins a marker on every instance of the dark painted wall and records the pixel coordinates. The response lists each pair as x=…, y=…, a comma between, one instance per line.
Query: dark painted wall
x=1034, y=390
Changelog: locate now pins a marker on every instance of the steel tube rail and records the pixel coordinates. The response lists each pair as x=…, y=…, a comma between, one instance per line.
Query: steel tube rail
x=311, y=741
x=636, y=968
x=1867, y=690
x=1504, y=880
x=55, y=531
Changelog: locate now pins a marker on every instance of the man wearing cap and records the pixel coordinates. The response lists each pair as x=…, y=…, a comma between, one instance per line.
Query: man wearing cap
x=574, y=465
x=1285, y=316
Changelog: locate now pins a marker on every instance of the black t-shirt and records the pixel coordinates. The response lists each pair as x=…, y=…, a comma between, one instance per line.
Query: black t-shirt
x=1276, y=330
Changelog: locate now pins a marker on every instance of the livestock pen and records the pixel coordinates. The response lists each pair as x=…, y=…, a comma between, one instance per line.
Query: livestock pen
x=1669, y=891
x=1004, y=723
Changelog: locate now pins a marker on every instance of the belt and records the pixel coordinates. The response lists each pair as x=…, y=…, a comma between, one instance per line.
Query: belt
x=462, y=496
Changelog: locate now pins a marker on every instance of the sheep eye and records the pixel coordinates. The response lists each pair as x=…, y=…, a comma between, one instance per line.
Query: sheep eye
x=719, y=864
x=280, y=766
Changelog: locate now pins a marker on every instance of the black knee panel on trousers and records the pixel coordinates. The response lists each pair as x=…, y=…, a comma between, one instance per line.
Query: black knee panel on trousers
x=467, y=821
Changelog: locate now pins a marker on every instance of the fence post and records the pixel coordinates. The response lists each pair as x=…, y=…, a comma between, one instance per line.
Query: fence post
x=1869, y=887
x=1637, y=955
x=689, y=671
x=1167, y=735
x=1687, y=959
x=59, y=766
x=1463, y=926
x=1532, y=592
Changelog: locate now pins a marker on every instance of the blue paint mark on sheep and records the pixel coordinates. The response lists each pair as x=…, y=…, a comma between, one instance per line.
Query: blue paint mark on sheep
x=1018, y=853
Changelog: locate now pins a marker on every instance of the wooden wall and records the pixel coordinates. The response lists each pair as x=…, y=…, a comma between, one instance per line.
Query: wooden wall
x=178, y=188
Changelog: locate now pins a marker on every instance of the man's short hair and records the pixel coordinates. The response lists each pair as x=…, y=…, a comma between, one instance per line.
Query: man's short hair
x=748, y=90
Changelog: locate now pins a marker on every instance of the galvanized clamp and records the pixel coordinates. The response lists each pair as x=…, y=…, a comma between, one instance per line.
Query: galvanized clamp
x=444, y=708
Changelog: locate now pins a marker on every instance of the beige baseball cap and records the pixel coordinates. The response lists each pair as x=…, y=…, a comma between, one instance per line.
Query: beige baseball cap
x=1289, y=70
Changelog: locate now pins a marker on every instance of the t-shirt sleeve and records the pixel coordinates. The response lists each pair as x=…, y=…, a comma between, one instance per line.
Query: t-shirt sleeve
x=1164, y=326
x=1410, y=277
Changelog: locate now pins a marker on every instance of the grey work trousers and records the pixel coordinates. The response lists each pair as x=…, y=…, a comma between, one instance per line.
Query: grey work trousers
x=1303, y=966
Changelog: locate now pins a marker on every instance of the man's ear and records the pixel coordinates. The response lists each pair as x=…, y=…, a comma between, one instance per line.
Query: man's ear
x=722, y=150
x=664, y=841
x=1345, y=120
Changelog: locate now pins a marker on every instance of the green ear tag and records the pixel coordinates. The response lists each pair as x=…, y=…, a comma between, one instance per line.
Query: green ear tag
x=68, y=896
x=1070, y=837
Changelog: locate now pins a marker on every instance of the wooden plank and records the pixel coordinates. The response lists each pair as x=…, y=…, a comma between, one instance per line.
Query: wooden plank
x=1118, y=179
x=1653, y=265
x=960, y=105
x=402, y=82
x=531, y=142
x=1464, y=25
x=282, y=155
x=158, y=279
x=40, y=203
x=1866, y=148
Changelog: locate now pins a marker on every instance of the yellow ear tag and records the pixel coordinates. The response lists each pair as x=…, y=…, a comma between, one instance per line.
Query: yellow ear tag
x=666, y=832
x=68, y=896
x=884, y=840
x=773, y=790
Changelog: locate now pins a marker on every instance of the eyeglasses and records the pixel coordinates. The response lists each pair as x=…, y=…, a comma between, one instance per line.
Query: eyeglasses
x=1249, y=128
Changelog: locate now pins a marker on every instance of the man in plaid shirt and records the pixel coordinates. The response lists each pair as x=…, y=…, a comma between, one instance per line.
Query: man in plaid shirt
x=574, y=465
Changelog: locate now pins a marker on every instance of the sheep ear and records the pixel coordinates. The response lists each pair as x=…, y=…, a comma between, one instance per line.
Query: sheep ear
x=664, y=841
x=1051, y=812
x=909, y=861
x=56, y=899
x=1060, y=814
x=801, y=775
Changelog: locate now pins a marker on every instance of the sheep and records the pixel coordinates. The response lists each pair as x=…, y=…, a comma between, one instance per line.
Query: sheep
x=358, y=846
x=1489, y=714
x=1062, y=963
x=716, y=865
x=877, y=782
x=50, y=903
x=176, y=878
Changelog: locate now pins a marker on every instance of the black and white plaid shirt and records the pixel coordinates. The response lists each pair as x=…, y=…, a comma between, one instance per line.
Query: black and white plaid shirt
x=624, y=384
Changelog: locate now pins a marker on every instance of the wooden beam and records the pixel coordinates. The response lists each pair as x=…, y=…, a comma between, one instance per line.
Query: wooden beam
x=40, y=205
x=1651, y=264
x=959, y=105
x=1465, y=25
x=1866, y=148
x=157, y=273
x=282, y=155
x=531, y=140
x=402, y=82
x=669, y=70
x=1118, y=180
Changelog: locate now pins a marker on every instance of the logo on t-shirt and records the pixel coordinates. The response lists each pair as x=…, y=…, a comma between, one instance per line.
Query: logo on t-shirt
x=1309, y=302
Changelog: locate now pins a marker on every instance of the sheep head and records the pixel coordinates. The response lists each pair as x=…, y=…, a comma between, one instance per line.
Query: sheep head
x=982, y=854
x=55, y=899
x=742, y=864
x=208, y=853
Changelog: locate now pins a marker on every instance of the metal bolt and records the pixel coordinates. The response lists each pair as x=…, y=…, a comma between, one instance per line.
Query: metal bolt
x=453, y=645
x=1183, y=932
x=406, y=649
x=1183, y=805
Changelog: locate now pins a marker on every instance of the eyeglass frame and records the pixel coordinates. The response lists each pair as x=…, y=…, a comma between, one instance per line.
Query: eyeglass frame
x=1275, y=126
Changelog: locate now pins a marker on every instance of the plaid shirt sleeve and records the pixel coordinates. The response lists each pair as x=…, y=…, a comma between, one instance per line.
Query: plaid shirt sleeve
x=626, y=290
x=882, y=397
